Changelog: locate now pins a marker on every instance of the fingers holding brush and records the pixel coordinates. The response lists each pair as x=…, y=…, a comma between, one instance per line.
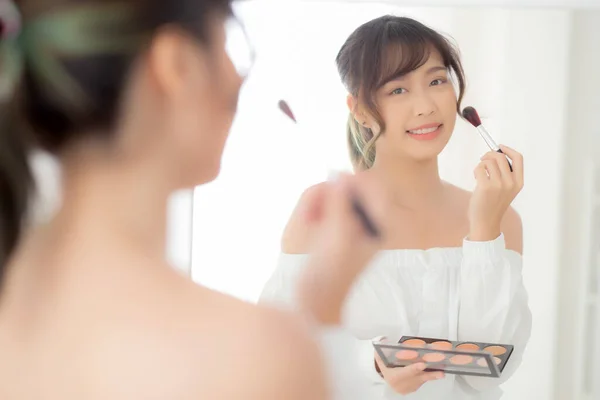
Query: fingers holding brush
x=517, y=164
x=512, y=177
x=356, y=214
x=499, y=169
x=508, y=161
x=497, y=186
x=346, y=232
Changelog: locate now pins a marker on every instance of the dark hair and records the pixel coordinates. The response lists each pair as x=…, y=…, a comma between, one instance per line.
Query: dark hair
x=76, y=59
x=377, y=51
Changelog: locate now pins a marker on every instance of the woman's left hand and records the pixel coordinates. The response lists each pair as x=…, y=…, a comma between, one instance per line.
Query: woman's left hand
x=496, y=188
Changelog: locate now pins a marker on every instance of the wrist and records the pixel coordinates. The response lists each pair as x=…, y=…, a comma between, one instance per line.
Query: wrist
x=322, y=296
x=322, y=310
x=484, y=233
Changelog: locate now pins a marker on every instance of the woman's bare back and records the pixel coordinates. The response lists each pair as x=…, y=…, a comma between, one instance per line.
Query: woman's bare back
x=116, y=326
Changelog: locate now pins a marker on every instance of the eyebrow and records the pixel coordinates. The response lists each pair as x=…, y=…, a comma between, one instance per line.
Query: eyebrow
x=436, y=69
x=430, y=71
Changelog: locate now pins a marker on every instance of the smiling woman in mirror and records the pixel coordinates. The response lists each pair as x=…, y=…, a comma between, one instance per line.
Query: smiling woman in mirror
x=452, y=266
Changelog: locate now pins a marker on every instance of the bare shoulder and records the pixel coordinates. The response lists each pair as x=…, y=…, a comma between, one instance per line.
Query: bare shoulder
x=296, y=235
x=255, y=346
x=172, y=338
x=511, y=226
x=279, y=338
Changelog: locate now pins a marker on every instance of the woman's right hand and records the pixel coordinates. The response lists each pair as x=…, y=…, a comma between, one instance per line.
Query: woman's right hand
x=340, y=246
x=407, y=379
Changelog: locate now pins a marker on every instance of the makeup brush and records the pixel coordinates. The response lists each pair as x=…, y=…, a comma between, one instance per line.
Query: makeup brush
x=470, y=114
x=360, y=211
x=285, y=108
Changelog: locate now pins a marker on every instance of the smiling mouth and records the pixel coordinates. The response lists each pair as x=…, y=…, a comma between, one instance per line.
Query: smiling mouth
x=424, y=131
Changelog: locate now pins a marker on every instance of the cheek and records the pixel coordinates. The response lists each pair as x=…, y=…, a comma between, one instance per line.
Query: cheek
x=450, y=111
x=199, y=109
x=198, y=143
x=449, y=102
x=395, y=114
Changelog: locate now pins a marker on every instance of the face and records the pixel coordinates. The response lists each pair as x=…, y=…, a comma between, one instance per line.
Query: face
x=201, y=87
x=419, y=110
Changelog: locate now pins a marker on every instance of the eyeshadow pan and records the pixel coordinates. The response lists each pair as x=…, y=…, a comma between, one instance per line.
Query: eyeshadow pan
x=468, y=346
x=434, y=357
x=441, y=345
x=461, y=360
x=414, y=343
x=495, y=350
x=407, y=355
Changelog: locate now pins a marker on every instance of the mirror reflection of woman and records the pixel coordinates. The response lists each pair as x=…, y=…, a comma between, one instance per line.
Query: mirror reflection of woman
x=452, y=264
x=136, y=99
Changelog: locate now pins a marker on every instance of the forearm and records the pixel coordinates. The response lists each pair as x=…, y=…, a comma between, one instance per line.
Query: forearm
x=321, y=293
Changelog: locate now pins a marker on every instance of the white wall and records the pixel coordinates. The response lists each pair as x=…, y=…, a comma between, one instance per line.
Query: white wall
x=581, y=144
x=179, y=230
x=47, y=197
x=533, y=117
x=581, y=4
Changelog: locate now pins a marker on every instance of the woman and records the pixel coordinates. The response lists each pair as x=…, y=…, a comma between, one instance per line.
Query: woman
x=452, y=264
x=136, y=99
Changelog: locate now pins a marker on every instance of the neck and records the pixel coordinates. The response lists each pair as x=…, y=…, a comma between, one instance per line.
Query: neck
x=107, y=196
x=412, y=184
x=110, y=207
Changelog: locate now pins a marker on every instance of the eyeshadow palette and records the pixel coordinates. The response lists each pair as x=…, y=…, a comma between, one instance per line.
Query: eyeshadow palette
x=461, y=358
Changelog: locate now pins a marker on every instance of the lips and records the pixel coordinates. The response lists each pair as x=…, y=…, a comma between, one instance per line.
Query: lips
x=424, y=129
x=425, y=132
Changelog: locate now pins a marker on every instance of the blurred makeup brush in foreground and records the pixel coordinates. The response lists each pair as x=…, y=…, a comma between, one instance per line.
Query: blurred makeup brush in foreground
x=359, y=210
x=285, y=108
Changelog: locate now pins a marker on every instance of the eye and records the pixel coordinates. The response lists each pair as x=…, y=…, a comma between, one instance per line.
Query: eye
x=438, y=82
x=398, y=91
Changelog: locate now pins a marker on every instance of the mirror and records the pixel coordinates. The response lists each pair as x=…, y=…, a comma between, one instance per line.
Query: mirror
x=533, y=76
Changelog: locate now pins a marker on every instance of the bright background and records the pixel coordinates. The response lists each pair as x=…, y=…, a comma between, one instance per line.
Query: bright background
x=533, y=75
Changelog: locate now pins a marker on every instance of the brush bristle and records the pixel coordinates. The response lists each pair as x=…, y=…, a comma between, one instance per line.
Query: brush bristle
x=470, y=114
x=283, y=106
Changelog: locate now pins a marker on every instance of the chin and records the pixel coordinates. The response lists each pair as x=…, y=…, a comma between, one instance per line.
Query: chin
x=210, y=175
x=426, y=150
x=203, y=174
x=424, y=157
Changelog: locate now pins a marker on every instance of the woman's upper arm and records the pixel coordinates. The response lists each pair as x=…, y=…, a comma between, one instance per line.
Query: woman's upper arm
x=512, y=227
x=287, y=338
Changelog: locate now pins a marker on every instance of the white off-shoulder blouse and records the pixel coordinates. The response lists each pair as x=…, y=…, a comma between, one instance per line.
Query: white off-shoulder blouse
x=469, y=293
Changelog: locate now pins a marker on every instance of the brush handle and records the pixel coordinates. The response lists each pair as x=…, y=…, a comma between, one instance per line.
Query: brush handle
x=364, y=218
x=487, y=138
x=357, y=206
x=491, y=144
x=509, y=163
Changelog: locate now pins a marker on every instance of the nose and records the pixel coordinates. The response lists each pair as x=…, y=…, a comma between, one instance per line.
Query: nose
x=424, y=105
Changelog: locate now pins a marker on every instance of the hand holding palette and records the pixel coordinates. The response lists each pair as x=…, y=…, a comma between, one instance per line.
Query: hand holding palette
x=461, y=358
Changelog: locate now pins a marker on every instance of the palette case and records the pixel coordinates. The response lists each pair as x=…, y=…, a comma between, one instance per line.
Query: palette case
x=451, y=357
